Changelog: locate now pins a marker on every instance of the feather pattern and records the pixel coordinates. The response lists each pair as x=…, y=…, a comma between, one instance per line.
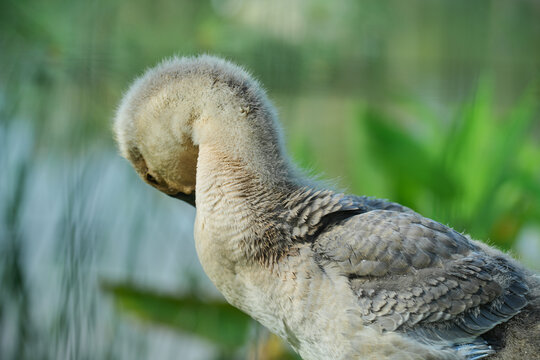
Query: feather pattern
x=415, y=275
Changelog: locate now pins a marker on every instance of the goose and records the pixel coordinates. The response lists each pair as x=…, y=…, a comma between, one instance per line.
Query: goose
x=337, y=276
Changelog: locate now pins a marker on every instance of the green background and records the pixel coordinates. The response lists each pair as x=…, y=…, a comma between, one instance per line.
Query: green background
x=434, y=104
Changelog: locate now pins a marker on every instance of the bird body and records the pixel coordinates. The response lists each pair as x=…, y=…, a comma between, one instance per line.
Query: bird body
x=338, y=276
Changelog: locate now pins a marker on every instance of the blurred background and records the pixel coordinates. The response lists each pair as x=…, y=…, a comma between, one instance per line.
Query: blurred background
x=434, y=104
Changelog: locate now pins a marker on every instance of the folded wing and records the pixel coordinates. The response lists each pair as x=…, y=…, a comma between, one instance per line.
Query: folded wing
x=414, y=275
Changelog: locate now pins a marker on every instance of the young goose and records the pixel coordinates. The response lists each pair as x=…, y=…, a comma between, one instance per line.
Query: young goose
x=338, y=276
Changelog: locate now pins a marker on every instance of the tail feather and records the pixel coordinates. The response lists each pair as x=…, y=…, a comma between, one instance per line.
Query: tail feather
x=475, y=350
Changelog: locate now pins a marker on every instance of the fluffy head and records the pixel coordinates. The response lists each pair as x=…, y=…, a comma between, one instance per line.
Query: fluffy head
x=184, y=102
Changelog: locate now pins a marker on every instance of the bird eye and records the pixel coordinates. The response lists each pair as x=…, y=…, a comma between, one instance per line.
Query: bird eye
x=151, y=179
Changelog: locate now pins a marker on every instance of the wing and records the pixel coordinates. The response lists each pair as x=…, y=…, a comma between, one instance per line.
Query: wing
x=418, y=276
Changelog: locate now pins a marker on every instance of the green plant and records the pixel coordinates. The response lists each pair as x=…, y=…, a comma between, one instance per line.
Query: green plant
x=215, y=321
x=476, y=172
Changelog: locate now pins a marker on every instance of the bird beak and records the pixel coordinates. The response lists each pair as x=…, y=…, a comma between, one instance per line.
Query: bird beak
x=190, y=199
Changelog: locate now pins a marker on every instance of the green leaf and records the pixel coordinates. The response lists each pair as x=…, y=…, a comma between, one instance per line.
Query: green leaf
x=215, y=321
x=477, y=173
x=407, y=162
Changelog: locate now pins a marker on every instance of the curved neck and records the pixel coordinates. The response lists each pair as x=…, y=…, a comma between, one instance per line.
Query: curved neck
x=242, y=128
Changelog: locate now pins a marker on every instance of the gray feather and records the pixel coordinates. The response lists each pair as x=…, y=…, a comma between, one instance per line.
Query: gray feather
x=444, y=287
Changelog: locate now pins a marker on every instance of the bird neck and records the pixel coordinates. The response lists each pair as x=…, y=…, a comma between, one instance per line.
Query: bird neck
x=242, y=132
x=243, y=215
x=226, y=180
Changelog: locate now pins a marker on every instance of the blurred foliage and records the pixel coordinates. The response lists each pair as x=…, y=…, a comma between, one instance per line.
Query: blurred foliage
x=434, y=104
x=14, y=288
x=468, y=173
x=67, y=62
x=215, y=321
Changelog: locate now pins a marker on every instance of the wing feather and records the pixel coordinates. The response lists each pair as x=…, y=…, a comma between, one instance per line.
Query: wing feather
x=415, y=275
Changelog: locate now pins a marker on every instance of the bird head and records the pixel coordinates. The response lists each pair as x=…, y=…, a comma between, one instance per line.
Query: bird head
x=153, y=129
x=171, y=108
